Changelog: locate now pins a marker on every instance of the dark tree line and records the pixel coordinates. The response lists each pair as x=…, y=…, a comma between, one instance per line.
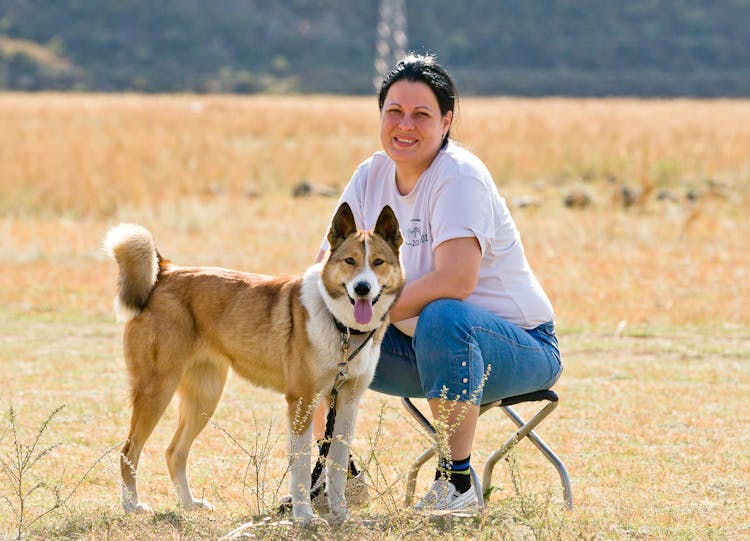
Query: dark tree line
x=535, y=47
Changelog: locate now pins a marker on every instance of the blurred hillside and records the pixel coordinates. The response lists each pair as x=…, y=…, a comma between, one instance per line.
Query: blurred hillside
x=697, y=48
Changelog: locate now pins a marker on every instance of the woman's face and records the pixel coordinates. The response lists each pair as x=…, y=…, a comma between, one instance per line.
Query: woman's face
x=411, y=126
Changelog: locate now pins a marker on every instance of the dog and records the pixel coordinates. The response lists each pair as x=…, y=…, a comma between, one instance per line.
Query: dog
x=186, y=327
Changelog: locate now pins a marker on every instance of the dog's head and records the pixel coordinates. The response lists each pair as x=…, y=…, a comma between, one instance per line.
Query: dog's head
x=362, y=276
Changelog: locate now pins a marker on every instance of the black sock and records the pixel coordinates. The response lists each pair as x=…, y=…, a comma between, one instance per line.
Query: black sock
x=456, y=471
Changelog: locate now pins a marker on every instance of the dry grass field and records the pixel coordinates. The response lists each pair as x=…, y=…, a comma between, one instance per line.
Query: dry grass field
x=651, y=293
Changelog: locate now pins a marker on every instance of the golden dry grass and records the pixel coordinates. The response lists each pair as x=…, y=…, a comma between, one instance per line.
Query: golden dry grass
x=651, y=300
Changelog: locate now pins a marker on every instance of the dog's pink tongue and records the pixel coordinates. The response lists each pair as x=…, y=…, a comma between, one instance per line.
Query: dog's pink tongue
x=362, y=311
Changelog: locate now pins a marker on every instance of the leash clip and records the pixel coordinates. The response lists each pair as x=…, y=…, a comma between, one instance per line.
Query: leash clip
x=345, y=344
x=344, y=363
x=340, y=377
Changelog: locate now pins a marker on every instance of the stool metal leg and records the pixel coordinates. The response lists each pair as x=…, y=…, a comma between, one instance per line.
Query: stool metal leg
x=527, y=430
x=411, y=479
x=476, y=484
x=524, y=430
x=421, y=419
x=548, y=453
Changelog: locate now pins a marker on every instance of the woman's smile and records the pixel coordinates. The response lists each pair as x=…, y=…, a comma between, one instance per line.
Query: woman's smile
x=405, y=141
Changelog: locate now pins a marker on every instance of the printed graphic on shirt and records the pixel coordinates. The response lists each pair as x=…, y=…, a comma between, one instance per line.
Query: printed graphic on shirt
x=414, y=234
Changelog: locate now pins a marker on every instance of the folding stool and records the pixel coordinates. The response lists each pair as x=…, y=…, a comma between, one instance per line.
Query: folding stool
x=525, y=430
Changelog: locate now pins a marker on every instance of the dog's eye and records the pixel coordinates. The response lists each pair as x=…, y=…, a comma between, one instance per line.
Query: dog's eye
x=350, y=261
x=377, y=262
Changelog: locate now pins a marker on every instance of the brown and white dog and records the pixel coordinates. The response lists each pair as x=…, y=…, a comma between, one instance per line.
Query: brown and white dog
x=187, y=326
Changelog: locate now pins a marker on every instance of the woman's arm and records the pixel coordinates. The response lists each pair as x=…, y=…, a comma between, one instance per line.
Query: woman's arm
x=456, y=273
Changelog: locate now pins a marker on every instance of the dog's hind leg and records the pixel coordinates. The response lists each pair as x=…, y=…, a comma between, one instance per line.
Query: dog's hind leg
x=151, y=396
x=199, y=391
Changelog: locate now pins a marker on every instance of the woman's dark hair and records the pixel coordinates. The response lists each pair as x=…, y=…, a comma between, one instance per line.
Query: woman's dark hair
x=424, y=69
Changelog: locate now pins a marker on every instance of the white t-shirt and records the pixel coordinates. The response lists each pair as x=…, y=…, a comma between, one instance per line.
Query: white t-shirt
x=454, y=198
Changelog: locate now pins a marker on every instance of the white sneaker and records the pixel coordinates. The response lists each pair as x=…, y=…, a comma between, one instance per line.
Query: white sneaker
x=443, y=496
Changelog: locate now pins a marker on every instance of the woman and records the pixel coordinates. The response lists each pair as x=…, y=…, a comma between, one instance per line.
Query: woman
x=473, y=324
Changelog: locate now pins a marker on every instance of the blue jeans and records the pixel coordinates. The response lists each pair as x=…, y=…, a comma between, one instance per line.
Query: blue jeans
x=455, y=345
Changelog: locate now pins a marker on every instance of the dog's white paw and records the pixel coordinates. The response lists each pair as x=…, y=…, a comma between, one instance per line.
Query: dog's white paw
x=304, y=515
x=199, y=505
x=137, y=508
x=314, y=521
x=339, y=516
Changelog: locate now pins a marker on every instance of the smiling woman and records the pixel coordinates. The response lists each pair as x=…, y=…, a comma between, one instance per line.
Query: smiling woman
x=473, y=324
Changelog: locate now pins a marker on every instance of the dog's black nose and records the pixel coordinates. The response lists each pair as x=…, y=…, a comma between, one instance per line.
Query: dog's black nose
x=362, y=288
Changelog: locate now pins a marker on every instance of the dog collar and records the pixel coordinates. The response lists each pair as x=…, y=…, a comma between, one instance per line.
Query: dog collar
x=343, y=329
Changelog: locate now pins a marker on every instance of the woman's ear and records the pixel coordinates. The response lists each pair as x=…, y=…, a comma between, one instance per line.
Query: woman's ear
x=447, y=120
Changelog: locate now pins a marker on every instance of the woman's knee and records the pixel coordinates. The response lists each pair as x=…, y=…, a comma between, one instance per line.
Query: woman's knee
x=448, y=357
x=440, y=317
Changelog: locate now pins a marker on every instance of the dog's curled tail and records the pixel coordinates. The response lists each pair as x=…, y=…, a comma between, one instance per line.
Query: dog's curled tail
x=134, y=250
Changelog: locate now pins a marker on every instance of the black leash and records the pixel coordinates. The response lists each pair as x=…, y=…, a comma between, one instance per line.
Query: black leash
x=332, y=399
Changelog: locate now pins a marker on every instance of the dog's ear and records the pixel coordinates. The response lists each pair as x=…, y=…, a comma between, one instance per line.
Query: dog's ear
x=387, y=227
x=342, y=226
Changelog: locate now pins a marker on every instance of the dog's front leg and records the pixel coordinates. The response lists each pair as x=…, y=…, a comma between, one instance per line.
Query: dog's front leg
x=337, y=465
x=299, y=474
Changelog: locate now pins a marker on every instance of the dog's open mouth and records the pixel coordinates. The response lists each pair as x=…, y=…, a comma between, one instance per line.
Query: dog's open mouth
x=363, y=309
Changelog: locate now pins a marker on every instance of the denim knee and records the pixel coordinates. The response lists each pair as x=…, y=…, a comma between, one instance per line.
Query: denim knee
x=449, y=362
x=439, y=321
x=437, y=318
